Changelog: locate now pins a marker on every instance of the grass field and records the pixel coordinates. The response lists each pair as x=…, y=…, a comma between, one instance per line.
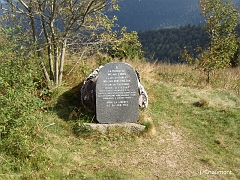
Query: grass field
x=194, y=131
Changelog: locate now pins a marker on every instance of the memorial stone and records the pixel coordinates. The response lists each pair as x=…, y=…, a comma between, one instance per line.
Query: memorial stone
x=117, y=94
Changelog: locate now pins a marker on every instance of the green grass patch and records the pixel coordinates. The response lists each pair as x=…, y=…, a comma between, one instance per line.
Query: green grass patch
x=215, y=127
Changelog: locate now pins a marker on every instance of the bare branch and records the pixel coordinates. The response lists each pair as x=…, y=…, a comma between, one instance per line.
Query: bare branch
x=56, y=23
x=24, y=4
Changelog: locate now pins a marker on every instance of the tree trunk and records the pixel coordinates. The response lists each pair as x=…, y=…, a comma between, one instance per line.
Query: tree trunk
x=56, y=65
x=45, y=71
x=64, y=45
x=208, y=77
x=49, y=47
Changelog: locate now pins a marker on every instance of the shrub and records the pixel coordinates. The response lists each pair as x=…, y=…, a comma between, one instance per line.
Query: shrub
x=127, y=46
x=18, y=101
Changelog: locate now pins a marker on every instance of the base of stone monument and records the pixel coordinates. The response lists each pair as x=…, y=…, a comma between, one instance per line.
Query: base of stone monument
x=133, y=127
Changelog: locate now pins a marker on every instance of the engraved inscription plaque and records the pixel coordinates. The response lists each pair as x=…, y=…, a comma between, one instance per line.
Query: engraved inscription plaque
x=117, y=94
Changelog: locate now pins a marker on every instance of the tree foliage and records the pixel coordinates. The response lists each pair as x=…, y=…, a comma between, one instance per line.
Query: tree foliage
x=221, y=18
x=56, y=25
x=126, y=45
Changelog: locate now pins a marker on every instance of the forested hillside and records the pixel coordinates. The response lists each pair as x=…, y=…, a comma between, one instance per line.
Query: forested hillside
x=165, y=45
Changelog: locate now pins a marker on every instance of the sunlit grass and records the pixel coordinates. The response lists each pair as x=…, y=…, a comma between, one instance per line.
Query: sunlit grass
x=192, y=126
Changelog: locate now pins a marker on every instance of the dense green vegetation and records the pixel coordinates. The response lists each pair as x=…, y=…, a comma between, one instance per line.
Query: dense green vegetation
x=166, y=45
x=20, y=104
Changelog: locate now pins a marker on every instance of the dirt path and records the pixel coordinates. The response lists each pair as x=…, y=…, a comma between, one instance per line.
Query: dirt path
x=167, y=154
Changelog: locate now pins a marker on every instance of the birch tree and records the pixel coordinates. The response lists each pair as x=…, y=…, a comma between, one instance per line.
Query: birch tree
x=59, y=24
x=221, y=18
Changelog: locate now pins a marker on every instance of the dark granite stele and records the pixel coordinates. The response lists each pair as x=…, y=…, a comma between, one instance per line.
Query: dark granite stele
x=117, y=94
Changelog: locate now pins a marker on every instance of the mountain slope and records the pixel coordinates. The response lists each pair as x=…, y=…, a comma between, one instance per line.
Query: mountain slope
x=155, y=14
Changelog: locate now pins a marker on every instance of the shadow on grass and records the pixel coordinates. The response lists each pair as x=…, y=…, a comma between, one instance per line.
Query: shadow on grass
x=70, y=108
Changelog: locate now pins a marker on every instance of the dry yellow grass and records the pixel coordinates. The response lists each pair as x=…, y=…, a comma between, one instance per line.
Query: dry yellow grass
x=184, y=75
x=179, y=74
